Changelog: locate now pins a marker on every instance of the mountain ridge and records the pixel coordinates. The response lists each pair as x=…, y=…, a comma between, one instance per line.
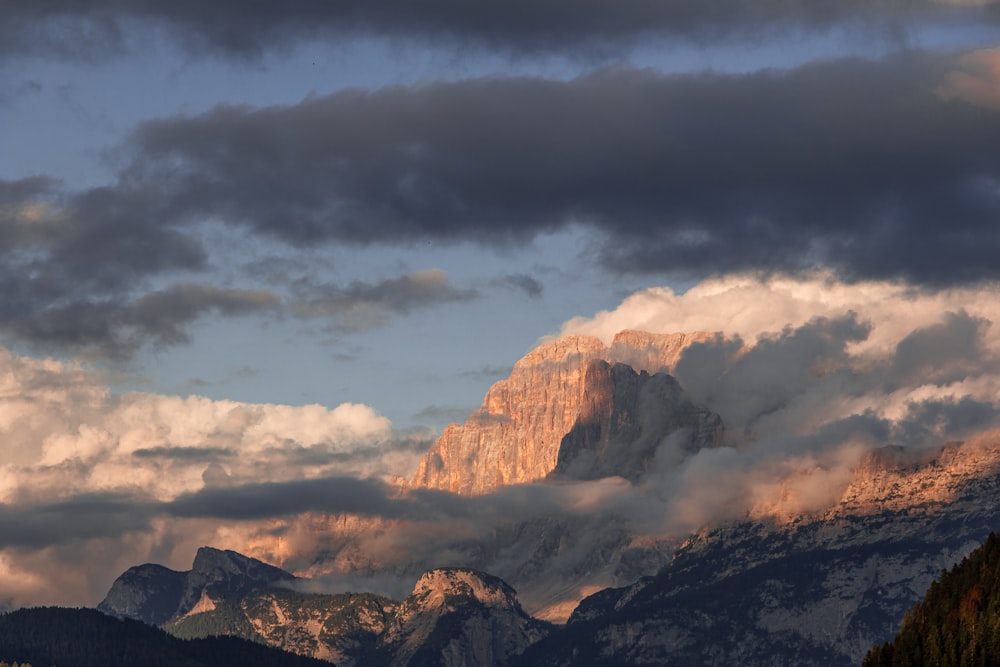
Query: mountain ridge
x=472, y=616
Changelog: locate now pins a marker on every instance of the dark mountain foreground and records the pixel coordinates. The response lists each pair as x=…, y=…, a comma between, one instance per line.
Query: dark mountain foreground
x=958, y=621
x=87, y=638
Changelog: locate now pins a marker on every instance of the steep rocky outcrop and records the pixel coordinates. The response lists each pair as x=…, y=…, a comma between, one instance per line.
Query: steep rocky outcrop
x=154, y=594
x=516, y=434
x=148, y=593
x=625, y=418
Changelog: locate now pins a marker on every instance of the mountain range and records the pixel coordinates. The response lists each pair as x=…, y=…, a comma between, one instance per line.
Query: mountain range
x=794, y=578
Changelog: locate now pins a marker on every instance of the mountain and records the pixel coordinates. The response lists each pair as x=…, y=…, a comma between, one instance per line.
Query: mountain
x=813, y=571
x=958, y=620
x=516, y=435
x=797, y=590
x=457, y=617
x=87, y=638
x=569, y=411
x=155, y=594
x=454, y=616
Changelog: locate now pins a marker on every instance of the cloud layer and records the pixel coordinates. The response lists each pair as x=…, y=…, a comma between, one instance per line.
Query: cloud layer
x=883, y=169
x=519, y=26
x=847, y=164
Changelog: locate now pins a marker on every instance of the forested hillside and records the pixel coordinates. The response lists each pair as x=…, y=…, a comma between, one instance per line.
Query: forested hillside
x=958, y=621
x=88, y=638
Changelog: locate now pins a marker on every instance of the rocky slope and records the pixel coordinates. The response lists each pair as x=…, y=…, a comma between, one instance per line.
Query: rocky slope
x=453, y=617
x=515, y=435
x=457, y=617
x=817, y=590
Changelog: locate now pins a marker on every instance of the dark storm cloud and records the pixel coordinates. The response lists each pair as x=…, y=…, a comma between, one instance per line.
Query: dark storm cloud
x=83, y=272
x=256, y=501
x=112, y=515
x=207, y=454
x=942, y=353
x=92, y=516
x=855, y=165
x=115, y=326
x=933, y=422
x=71, y=266
x=746, y=386
x=82, y=518
x=69, y=27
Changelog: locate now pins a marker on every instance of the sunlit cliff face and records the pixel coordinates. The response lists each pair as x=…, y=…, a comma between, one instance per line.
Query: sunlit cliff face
x=808, y=375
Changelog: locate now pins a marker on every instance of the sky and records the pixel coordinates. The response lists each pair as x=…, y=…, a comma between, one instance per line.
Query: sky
x=314, y=233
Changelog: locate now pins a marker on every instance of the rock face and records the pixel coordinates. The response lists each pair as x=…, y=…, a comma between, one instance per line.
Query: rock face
x=625, y=418
x=516, y=434
x=149, y=593
x=154, y=594
x=817, y=590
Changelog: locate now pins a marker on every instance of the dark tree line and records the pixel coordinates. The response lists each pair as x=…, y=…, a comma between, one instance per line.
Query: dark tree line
x=88, y=638
x=958, y=621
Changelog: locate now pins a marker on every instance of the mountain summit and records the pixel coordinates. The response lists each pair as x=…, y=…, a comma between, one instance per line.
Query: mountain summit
x=516, y=435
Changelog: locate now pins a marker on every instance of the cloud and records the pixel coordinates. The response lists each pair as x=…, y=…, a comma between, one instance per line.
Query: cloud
x=362, y=305
x=444, y=413
x=256, y=501
x=849, y=165
x=84, y=274
x=846, y=164
x=64, y=29
x=808, y=373
x=523, y=282
x=66, y=434
x=975, y=79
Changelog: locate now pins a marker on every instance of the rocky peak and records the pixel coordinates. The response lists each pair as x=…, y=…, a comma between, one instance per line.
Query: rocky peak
x=227, y=573
x=443, y=586
x=460, y=616
x=152, y=593
x=222, y=565
x=516, y=435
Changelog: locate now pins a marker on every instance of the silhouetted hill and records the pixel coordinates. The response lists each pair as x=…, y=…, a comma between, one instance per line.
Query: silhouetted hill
x=88, y=638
